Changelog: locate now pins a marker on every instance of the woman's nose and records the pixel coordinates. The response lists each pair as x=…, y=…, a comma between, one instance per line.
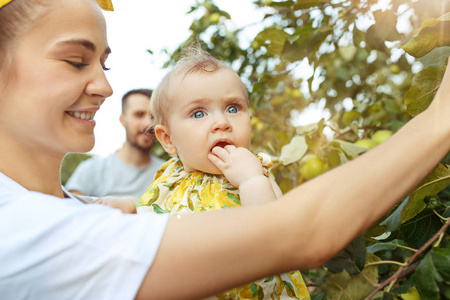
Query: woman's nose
x=99, y=85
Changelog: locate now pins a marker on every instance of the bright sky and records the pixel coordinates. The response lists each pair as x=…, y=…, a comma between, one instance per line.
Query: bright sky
x=134, y=27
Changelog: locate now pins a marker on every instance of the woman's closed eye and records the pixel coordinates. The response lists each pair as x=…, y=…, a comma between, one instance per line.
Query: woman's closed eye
x=81, y=65
x=77, y=64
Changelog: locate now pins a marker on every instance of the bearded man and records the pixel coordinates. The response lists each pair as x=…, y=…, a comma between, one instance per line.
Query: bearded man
x=131, y=169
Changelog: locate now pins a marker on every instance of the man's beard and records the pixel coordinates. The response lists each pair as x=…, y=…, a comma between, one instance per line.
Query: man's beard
x=139, y=147
x=136, y=145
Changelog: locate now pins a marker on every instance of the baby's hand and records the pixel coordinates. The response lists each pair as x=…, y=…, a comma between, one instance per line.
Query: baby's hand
x=126, y=204
x=237, y=164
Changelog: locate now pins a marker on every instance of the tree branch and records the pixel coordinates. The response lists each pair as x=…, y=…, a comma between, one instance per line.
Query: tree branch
x=401, y=272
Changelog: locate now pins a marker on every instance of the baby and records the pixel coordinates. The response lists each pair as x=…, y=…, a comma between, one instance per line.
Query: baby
x=201, y=118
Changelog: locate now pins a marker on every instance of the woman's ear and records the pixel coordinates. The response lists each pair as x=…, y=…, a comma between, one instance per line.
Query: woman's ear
x=163, y=135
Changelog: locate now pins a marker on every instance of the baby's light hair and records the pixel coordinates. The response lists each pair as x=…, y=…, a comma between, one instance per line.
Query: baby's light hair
x=193, y=59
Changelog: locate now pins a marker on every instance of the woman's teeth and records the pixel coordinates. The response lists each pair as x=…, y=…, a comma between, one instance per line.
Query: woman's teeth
x=82, y=115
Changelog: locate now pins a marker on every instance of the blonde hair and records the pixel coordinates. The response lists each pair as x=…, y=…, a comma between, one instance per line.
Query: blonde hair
x=16, y=18
x=193, y=59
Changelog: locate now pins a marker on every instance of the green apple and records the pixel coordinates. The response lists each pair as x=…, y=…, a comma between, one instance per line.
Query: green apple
x=312, y=166
x=395, y=69
x=214, y=18
x=255, y=44
x=381, y=135
x=366, y=143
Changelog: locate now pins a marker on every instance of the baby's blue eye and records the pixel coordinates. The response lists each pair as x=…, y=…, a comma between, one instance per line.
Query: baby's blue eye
x=232, y=109
x=199, y=114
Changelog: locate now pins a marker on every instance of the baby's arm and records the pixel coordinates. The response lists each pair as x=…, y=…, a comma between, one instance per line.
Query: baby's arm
x=126, y=204
x=244, y=170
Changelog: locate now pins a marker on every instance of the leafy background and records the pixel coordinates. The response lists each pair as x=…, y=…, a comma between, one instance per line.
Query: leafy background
x=350, y=58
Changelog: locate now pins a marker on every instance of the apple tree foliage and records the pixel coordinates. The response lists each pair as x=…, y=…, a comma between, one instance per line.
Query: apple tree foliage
x=372, y=66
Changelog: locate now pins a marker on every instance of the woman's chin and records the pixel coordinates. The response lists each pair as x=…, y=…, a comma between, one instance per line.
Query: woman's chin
x=84, y=145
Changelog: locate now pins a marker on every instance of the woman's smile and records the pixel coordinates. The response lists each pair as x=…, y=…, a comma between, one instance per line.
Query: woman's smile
x=85, y=115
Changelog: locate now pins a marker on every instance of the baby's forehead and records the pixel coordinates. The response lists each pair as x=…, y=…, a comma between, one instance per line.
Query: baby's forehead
x=180, y=78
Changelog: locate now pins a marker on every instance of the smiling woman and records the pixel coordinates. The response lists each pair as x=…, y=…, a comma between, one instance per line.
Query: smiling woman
x=67, y=80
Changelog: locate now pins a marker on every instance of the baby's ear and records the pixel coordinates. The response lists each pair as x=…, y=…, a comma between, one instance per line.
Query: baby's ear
x=163, y=135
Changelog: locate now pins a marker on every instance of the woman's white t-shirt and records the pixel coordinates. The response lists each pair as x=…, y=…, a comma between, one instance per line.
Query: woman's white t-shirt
x=53, y=248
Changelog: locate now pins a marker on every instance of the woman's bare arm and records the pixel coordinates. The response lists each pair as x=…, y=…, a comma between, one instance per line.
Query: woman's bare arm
x=203, y=254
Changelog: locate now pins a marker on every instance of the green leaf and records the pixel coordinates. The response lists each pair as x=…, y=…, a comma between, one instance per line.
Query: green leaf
x=424, y=276
x=343, y=286
x=392, y=245
x=436, y=58
x=418, y=230
x=350, y=116
x=294, y=150
x=304, y=42
x=436, y=181
x=441, y=258
x=404, y=286
x=336, y=157
x=294, y=52
x=350, y=149
x=394, y=220
x=447, y=292
x=307, y=128
x=282, y=4
x=274, y=39
x=433, y=33
x=392, y=106
x=381, y=295
x=423, y=89
x=352, y=258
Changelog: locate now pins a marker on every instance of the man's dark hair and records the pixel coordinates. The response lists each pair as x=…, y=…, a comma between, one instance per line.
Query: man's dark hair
x=144, y=92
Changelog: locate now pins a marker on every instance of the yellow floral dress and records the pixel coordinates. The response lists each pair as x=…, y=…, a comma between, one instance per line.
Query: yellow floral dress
x=177, y=192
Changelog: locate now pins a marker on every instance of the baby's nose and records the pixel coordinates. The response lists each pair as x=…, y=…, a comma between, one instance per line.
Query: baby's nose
x=221, y=123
